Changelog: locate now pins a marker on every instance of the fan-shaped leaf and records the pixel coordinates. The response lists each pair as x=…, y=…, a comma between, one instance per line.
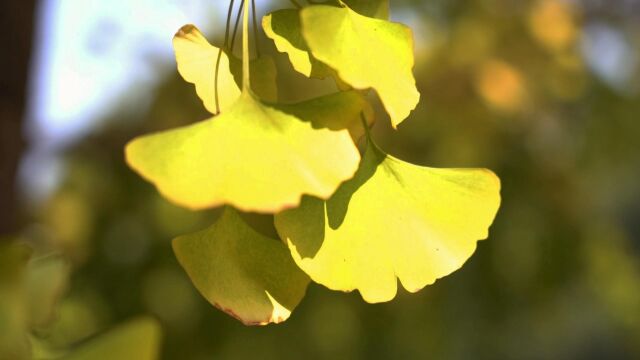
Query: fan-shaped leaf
x=249, y=276
x=393, y=219
x=366, y=53
x=256, y=157
x=197, y=59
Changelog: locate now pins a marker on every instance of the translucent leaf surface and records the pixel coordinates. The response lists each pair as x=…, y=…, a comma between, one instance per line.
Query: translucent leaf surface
x=283, y=27
x=197, y=59
x=366, y=53
x=249, y=276
x=392, y=220
x=139, y=339
x=256, y=157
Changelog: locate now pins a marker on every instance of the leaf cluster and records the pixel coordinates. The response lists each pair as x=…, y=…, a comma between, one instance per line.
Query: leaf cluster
x=347, y=220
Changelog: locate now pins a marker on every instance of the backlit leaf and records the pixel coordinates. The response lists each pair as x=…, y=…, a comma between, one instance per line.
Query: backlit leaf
x=392, y=220
x=256, y=157
x=283, y=27
x=197, y=59
x=138, y=339
x=242, y=272
x=366, y=53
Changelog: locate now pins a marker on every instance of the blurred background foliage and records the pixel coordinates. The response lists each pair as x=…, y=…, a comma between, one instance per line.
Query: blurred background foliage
x=544, y=92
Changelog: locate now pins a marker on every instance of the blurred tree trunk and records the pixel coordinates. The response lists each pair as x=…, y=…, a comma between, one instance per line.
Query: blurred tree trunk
x=16, y=39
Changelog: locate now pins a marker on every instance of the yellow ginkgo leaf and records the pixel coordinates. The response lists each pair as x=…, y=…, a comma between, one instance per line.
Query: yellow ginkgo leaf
x=366, y=53
x=256, y=157
x=197, y=59
x=392, y=220
x=242, y=272
x=197, y=62
x=283, y=27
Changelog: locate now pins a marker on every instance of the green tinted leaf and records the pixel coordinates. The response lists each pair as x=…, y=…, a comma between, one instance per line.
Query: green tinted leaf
x=371, y=8
x=393, y=219
x=247, y=275
x=256, y=157
x=283, y=27
x=138, y=339
x=47, y=280
x=263, y=76
x=14, y=342
x=366, y=53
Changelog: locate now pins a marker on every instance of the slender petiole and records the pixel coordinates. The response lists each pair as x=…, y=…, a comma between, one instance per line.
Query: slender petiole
x=255, y=27
x=246, y=85
x=296, y=4
x=226, y=44
x=235, y=27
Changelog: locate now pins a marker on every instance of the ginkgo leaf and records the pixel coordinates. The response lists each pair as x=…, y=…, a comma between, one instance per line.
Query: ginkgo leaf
x=283, y=27
x=392, y=220
x=366, y=53
x=197, y=59
x=256, y=157
x=242, y=272
x=138, y=339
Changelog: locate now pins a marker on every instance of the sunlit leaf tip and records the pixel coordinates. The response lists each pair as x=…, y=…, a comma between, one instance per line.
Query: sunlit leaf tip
x=242, y=272
x=393, y=220
x=196, y=59
x=367, y=53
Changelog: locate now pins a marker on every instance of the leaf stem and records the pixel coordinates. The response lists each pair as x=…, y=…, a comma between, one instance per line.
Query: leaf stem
x=246, y=85
x=226, y=44
x=255, y=27
x=228, y=25
x=296, y=4
x=235, y=26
